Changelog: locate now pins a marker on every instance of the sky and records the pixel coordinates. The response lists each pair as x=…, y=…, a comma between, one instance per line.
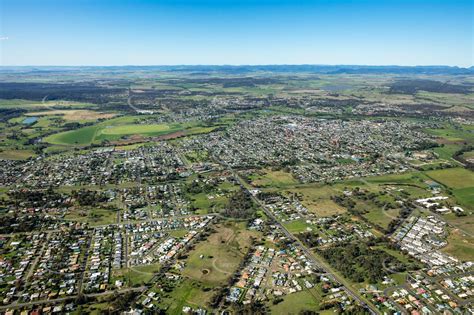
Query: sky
x=177, y=32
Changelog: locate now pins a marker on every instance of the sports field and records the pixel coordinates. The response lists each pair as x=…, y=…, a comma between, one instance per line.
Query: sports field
x=117, y=128
x=297, y=226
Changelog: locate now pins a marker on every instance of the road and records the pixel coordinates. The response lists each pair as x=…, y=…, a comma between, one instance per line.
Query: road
x=364, y=302
x=137, y=110
x=84, y=264
x=129, y=102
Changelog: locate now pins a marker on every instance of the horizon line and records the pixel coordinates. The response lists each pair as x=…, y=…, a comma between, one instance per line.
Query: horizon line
x=244, y=65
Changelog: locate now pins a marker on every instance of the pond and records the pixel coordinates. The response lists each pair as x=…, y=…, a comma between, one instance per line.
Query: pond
x=30, y=120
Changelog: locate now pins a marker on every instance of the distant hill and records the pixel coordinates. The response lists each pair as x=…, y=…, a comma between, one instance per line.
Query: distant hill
x=247, y=69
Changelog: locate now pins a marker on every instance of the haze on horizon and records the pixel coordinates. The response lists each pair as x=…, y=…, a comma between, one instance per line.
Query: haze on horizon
x=145, y=32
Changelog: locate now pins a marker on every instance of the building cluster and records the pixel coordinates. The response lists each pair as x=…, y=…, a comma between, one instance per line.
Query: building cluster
x=75, y=259
x=338, y=229
x=284, y=208
x=10, y=172
x=320, y=231
x=280, y=267
x=315, y=149
x=422, y=237
x=142, y=247
x=101, y=166
x=61, y=264
x=460, y=285
x=105, y=254
x=272, y=272
x=153, y=201
x=422, y=294
x=150, y=243
x=436, y=204
x=17, y=256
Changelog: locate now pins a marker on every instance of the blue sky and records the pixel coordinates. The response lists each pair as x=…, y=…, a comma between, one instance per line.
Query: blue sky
x=141, y=32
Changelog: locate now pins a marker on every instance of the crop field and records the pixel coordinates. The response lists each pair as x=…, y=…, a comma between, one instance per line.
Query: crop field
x=215, y=260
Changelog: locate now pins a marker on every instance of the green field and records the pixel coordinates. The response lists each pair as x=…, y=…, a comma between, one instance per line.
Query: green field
x=296, y=302
x=454, y=133
x=460, y=245
x=381, y=217
x=453, y=177
x=83, y=136
x=118, y=128
x=136, y=275
x=16, y=154
x=187, y=292
x=405, y=178
x=213, y=261
x=296, y=226
x=36, y=105
x=203, y=204
x=465, y=197
x=92, y=216
x=446, y=151
x=317, y=199
x=136, y=129
x=271, y=178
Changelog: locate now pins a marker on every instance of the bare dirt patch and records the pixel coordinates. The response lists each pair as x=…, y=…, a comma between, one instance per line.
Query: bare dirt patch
x=172, y=135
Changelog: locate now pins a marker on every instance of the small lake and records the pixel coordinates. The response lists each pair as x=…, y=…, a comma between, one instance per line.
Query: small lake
x=30, y=120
